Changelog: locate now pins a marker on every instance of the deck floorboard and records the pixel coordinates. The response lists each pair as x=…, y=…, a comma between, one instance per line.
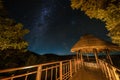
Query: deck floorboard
x=88, y=74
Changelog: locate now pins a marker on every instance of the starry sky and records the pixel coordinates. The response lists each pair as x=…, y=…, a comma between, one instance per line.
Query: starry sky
x=54, y=26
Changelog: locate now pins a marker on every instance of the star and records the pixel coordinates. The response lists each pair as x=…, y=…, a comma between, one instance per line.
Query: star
x=54, y=26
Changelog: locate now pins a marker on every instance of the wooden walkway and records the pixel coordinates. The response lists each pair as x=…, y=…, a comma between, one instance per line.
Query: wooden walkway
x=88, y=74
x=62, y=70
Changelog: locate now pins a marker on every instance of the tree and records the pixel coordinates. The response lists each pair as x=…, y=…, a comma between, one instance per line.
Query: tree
x=107, y=11
x=11, y=35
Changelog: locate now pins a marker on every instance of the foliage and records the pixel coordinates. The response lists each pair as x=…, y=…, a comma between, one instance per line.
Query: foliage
x=11, y=58
x=11, y=35
x=107, y=11
x=31, y=60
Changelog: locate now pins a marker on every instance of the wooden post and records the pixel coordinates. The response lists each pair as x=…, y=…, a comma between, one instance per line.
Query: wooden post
x=96, y=55
x=38, y=77
x=87, y=57
x=75, y=65
x=81, y=57
x=77, y=61
x=77, y=55
x=70, y=68
x=108, y=55
x=60, y=70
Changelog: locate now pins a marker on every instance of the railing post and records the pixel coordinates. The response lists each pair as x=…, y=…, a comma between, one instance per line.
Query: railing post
x=115, y=74
x=79, y=64
x=12, y=77
x=108, y=70
x=39, y=70
x=60, y=70
x=75, y=65
x=70, y=68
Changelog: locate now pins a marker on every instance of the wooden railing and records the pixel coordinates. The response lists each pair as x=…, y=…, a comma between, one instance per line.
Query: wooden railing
x=91, y=65
x=110, y=71
x=60, y=70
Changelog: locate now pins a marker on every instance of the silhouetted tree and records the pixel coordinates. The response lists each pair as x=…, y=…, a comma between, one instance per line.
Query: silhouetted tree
x=11, y=42
x=107, y=11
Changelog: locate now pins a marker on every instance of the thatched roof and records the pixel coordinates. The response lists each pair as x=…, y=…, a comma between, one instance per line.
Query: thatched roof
x=87, y=43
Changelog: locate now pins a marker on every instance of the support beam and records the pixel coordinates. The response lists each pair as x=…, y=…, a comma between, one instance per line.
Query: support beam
x=96, y=55
x=81, y=57
x=77, y=55
x=87, y=57
x=108, y=56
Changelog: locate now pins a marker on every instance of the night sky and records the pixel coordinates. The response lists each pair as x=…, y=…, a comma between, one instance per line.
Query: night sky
x=54, y=26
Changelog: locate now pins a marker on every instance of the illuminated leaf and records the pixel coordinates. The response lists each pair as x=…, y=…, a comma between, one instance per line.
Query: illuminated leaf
x=107, y=11
x=11, y=35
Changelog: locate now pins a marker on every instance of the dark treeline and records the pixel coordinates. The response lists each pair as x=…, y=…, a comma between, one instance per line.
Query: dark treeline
x=15, y=58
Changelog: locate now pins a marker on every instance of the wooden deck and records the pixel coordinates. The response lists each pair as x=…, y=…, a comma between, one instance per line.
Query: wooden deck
x=63, y=70
x=88, y=74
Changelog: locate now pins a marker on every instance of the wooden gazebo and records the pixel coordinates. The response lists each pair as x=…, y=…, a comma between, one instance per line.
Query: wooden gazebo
x=91, y=44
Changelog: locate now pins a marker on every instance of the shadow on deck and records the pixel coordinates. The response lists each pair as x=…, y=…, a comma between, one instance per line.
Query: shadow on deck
x=86, y=73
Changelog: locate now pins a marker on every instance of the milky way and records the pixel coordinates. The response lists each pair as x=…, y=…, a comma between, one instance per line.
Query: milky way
x=41, y=23
x=41, y=26
x=54, y=26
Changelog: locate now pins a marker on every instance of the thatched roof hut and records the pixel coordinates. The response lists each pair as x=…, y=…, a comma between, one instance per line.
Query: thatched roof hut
x=87, y=43
x=92, y=44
